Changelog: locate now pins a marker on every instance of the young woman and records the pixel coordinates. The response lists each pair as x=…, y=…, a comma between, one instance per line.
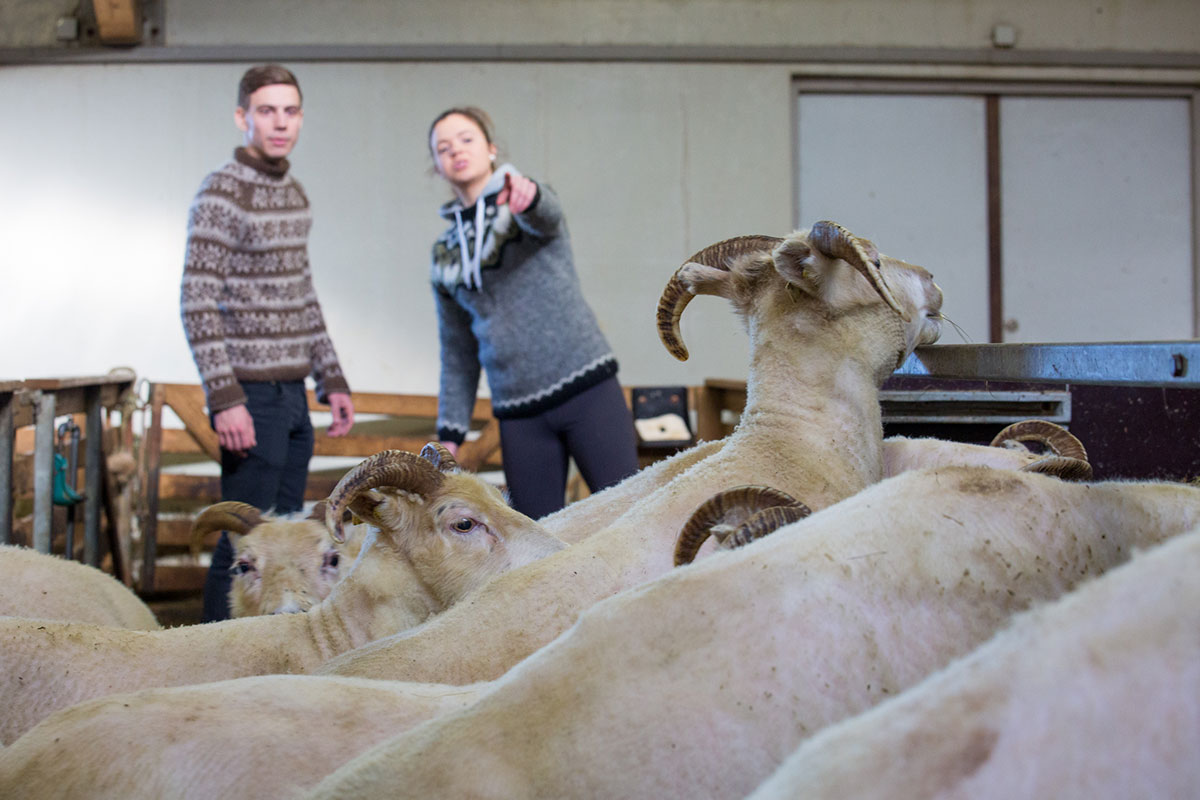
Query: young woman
x=508, y=300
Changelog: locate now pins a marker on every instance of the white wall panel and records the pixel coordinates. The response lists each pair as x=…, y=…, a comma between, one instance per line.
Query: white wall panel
x=98, y=165
x=1097, y=219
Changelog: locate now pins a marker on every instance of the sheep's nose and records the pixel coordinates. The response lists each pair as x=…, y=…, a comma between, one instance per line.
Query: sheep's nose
x=290, y=605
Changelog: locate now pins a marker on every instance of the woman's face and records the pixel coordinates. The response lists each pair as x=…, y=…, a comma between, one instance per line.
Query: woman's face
x=461, y=153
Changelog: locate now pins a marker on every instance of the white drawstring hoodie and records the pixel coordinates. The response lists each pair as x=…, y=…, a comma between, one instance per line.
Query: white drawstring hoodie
x=469, y=269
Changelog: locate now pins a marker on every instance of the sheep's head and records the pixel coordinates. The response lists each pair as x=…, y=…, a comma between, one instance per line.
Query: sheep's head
x=279, y=566
x=454, y=528
x=827, y=270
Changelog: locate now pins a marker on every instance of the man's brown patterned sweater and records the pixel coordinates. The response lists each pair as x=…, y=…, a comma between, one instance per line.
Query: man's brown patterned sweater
x=249, y=309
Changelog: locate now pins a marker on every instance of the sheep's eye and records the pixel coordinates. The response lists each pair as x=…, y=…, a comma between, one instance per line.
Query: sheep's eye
x=331, y=560
x=464, y=525
x=241, y=568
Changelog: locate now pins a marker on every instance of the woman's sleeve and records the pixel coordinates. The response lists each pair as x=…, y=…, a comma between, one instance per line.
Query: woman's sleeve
x=460, y=368
x=544, y=217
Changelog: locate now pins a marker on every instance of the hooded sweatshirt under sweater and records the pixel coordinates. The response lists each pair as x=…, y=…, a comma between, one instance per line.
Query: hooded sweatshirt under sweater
x=514, y=307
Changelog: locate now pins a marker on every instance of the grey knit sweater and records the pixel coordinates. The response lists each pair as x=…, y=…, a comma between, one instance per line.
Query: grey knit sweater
x=249, y=309
x=524, y=320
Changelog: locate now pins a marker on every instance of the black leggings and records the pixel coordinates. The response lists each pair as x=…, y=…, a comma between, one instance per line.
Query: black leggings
x=594, y=427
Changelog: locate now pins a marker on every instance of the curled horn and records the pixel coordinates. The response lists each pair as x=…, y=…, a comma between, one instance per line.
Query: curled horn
x=731, y=507
x=766, y=521
x=226, y=516
x=1058, y=439
x=833, y=240
x=1067, y=469
x=396, y=468
x=676, y=296
x=437, y=454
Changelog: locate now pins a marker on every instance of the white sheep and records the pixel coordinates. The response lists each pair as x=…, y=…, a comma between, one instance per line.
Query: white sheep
x=829, y=320
x=1095, y=697
x=871, y=591
x=241, y=739
x=1057, y=452
x=442, y=534
x=279, y=567
x=45, y=586
x=699, y=684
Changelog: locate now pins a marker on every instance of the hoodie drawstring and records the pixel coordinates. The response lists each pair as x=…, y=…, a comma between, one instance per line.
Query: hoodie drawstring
x=471, y=261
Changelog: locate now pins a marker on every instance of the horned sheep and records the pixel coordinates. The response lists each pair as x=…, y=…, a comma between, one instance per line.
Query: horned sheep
x=441, y=535
x=829, y=319
x=279, y=566
x=808, y=626
x=746, y=653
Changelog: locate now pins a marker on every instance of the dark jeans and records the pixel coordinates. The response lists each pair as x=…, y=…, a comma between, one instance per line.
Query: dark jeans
x=595, y=427
x=271, y=476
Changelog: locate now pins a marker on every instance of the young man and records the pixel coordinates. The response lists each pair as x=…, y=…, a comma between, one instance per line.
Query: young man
x=252, y=318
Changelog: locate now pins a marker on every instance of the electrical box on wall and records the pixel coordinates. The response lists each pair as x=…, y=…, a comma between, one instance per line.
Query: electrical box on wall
x=118, y=21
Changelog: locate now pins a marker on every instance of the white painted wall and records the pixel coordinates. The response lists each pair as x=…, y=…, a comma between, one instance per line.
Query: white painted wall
x=100, y=164
x=1097, y=219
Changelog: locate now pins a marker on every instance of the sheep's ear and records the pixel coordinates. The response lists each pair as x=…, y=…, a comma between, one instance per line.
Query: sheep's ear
x=366, y=505
x=701, y=279
x=830, y=280
x=801, y=266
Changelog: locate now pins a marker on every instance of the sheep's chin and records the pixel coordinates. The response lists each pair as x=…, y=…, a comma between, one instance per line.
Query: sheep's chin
x=931, y=331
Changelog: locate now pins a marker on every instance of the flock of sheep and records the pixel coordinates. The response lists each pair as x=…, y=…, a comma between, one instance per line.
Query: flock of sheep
x=801, y=609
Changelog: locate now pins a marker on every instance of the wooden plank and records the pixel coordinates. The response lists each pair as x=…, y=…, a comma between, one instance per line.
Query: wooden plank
x=207, y=488
x=402, y=405
x=189, y=407
x=117, y=548
x=25, y=437
x=118, y=21
x=152, y=442
x=480, y=452
x=179, y=442
x=363, y=446
x=712, y=399
x=7, y=401
x=180, y=578
x=175, y=532
x=118, y=377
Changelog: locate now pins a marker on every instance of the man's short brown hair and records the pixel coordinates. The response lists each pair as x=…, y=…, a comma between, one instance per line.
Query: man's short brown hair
x=264, y=75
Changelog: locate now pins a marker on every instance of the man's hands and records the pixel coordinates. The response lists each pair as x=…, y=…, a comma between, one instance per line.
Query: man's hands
x=235, y=426
x=518, y=192
x=235, y=429
x=452, y=447
x=343, y=414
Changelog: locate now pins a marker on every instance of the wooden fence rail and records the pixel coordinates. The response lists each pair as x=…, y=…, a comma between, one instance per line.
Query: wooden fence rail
x=165, y=532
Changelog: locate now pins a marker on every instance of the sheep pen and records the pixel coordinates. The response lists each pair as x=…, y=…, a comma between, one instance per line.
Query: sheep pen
x=748, y=652
x=844, y=609
x=441, y=534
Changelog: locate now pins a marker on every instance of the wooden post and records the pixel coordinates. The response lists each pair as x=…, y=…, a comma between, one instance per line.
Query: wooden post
x=152, y=443
x=43, y=469
x=93, y=458
x=8, y=399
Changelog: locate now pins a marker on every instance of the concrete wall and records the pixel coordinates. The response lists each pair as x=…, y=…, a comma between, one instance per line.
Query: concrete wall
x=654, y=153
x=1159, y=26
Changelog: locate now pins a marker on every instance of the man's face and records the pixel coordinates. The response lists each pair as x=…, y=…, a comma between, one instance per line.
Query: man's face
x=272, y=122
